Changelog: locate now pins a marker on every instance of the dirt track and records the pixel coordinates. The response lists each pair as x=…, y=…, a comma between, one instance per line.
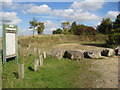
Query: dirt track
x=107, y=67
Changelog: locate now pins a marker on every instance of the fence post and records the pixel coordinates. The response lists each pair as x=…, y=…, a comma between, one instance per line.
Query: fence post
x=44, y=54
x=36, y=63
x=21, y=70
x=34, y=49
x=38, y=51
x=41, y=60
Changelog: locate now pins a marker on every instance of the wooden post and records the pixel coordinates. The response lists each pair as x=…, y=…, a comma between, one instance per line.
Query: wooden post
x=44, y=54
x=41, y=60
x=38, y=51
x=34, y=49
x=21, y=70
x=36, y=64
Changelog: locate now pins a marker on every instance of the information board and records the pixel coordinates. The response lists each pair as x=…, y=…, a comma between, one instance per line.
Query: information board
x=9, y=42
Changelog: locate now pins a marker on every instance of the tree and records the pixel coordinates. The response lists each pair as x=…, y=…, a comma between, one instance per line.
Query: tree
x=58, y=31
x=33, y=25
x=80, y=30
x=105, y=27
x=116, y=24
x=114, y=37
x=73, y=28
x=65, y=26
x=40, y=27
x=85, y=30
x=90, y=31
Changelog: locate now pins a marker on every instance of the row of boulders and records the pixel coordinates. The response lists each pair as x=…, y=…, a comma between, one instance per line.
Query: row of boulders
x=77, y=54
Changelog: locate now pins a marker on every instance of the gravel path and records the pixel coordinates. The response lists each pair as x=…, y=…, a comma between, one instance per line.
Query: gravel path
x=109, y=72
x=107, y=67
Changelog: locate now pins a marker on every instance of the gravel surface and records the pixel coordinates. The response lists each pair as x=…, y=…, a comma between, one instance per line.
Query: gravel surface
x=107, y=67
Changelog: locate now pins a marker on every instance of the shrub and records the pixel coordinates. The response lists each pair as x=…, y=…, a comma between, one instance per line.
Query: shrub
x=114, y=38
x=58, y=31
x=85, y=30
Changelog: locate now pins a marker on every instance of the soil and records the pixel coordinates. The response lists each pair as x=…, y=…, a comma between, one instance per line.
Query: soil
x=107, y=67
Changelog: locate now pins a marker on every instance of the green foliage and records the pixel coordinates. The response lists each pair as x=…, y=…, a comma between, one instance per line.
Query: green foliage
x=73, y=28
x=40, y=27
x=105, y=27
x=116, y=24
x=58, y=31
x=114, y=36
x=33, y=24
x=82, y=29
x=65, y=26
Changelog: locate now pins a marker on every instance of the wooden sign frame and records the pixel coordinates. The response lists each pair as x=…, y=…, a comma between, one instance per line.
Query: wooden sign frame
x=9, y=29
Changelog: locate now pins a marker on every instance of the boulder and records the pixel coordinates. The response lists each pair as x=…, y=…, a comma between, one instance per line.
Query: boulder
x=108, y=52
x=117, y=50
x=57, y=53
x=74, y=54
x=92, y=54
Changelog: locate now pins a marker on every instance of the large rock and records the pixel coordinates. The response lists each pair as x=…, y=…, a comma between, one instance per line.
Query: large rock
x=74, y=54
x=117, y=50
x=92, y=54
x=108, y=52
x=57, y=53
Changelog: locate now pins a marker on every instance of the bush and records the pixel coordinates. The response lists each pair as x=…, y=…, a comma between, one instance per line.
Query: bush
x=91, y=31
x=105, y=26
x=85, y=30
x=58, y=31
x=114, y=36
x=114, y=39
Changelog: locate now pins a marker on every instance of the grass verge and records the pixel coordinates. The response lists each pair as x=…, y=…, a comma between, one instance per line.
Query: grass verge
x=55, y=74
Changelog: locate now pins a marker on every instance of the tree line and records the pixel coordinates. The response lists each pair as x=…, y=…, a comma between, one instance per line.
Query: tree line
x=106, y=27
x=76, y=29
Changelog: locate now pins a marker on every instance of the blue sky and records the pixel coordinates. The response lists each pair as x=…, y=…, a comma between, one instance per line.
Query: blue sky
x=54, y=13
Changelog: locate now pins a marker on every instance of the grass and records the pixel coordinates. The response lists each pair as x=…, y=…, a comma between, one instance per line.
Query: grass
x=55, y=74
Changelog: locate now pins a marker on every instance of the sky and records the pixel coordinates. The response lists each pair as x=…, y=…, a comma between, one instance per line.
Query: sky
x=54, y=13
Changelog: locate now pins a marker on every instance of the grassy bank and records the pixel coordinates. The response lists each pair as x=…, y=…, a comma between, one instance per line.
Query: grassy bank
x=55, y=73
x=46, y=42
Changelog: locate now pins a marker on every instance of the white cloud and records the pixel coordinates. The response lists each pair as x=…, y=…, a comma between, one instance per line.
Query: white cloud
x=43, y=9
x=18, y=6
x=10, y=18
x=49, y=25
x=87, y=5
x=95, y=25
x=6, y=0
x=21, y=6
x=7, y=3
x=111, y=14
x=63, y=13
x=52, y=29
x=76, y=15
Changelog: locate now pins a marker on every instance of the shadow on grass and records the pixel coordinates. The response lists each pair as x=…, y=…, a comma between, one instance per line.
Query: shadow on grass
x=30, y=68
x=10, y=59
x=15, y=74
x=96, y=44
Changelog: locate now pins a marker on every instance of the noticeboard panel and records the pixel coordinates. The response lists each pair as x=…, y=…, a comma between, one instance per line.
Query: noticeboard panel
x=10, y=44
